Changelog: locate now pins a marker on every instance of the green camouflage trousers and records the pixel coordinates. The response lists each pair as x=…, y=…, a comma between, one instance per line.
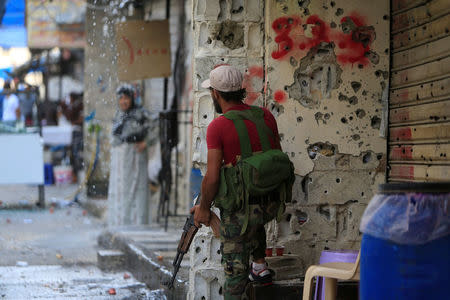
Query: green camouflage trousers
x=236, y=249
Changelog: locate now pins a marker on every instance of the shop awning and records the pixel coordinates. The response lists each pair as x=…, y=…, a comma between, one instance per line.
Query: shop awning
x=12, y=24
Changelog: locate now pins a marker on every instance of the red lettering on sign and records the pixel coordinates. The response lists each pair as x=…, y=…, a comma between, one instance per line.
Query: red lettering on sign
x=164, y=51
x=130, y=49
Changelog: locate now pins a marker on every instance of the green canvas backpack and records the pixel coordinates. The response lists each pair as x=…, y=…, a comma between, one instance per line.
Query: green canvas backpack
x=255, y=174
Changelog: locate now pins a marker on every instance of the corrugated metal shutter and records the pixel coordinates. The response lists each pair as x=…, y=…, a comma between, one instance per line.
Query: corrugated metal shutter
x=419, y=106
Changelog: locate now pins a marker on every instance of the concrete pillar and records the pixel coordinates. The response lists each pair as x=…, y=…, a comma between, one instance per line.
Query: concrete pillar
x=230, y=32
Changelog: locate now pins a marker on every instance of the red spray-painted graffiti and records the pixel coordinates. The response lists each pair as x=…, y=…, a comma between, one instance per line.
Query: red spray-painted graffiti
x=254, y=73
x=141, y=51
x=279, y=96
x=353, y=40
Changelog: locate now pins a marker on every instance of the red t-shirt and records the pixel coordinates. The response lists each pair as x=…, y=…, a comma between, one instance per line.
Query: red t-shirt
x=222, y=134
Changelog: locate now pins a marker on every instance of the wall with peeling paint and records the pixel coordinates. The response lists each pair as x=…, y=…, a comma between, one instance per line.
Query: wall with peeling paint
x=327, y=66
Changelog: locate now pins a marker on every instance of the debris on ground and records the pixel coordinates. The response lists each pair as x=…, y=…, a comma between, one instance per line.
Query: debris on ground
x=112, y=291
x=21, y=264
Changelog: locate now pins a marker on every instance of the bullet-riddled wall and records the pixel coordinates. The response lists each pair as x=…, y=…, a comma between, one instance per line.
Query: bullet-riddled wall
x=322, y=68
x=327, y=74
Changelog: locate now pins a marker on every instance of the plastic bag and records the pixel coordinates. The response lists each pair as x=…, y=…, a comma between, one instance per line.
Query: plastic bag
x=409, y=218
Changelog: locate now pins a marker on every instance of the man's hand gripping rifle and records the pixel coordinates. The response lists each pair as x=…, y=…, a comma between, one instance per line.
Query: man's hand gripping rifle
x=189, y=231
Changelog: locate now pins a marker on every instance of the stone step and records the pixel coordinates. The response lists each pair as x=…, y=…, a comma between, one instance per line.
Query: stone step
x=109, y=260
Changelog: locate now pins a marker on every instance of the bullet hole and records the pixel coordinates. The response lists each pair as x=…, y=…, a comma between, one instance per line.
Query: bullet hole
x=372, y=56
x=386, y=51
x=366, y=157
x=306, y=12
x=385, y=17
x=360, y=113
x=293, y=61
x=360, y=66
x=198, y=249
x=288, y=217
x=230, y=33
x=333, y=25
x=332, y=3
x=375, y=122
x=325, y=192
x=292, y=154
x=205, y=116
x=344, y=120
x=350, y=118
x=209, y=41
x=303, y=184
x=299, y=119
x=324, y=212
x=353, y=100
x=362, y=194
x=218, y=251
x=205, y=259
x=303, y=3
x=338, y=180
x=220, y=291
x=355, y=86
x=379, y=156
x=203, y=241
x=356, y=137
x=302, y=217
x=297, y=232
x=324, y=149
x=339, y=12
x=238, y=10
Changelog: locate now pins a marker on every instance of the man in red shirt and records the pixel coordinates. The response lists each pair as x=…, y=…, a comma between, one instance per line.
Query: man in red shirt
x=225, y=84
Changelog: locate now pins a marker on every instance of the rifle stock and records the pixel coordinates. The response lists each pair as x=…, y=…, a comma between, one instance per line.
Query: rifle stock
x=189, y=231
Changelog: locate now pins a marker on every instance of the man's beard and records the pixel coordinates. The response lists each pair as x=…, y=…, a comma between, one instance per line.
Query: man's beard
x=217, y=106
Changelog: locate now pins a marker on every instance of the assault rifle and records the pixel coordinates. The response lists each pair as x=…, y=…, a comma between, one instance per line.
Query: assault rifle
x=189, y=231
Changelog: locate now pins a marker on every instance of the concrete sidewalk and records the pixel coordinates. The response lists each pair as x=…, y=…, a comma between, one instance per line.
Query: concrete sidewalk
x=149, y=252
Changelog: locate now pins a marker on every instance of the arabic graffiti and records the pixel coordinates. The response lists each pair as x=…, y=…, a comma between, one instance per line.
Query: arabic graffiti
x=353, y=41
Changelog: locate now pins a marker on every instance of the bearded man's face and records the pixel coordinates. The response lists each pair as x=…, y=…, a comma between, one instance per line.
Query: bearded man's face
x=216, y=103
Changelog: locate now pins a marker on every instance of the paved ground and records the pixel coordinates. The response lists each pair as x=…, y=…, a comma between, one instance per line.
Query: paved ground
x=51, y=253
x=58, y=282
x=26, y=195
x=49, y=236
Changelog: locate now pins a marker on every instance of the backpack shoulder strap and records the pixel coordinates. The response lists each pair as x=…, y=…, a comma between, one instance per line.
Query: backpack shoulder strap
x=255, y=115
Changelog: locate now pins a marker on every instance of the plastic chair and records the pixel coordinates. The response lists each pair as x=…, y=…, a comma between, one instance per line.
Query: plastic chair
x=331, y=272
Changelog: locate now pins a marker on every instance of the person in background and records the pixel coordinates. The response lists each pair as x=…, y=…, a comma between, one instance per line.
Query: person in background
x=11, y=108
x=128, y=186
x=48, y=113
x=2, y=96
x=73, y=111
x=27, y=98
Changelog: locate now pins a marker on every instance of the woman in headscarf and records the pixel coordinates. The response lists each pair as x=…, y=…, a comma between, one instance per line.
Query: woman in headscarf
x=128, y=188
